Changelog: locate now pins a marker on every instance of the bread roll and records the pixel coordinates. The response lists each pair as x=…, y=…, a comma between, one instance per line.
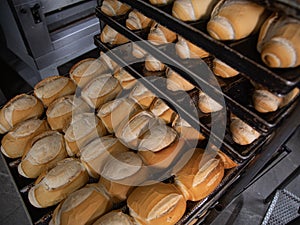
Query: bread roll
x=66, y=177
x=108, y=62
x=241, y=132
x=60, y=111
x=18, y=109
x=161, y=35
x=111, y=36
x=223, y=70
x=83, y=206
x=200, y=175
x=101, y=90
x=162, y=110
x=160, y=2
x=235, y=19
x=137, y=21
x=45, y=151
x=15, y=142
x=114, y=8
x=97, y=152
x=278, y=42
x=51, y=88
x=114, y=112
x=175, y=82
x=228, y=162
x=85, y=70
x=156, y=204
x=152, y=64
x=137, y=51
x=130, y=131
x=192, y=10
x=83, y=128
x=185, y=130
x=187, y=50
x=115, y=217
x=125, y=79
x=141, y=95
x=207, y=104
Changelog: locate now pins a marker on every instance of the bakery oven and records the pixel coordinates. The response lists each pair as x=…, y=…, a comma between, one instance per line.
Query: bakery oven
x=251, y=159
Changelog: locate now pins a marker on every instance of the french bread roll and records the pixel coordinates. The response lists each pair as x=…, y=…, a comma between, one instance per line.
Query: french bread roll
x=235, y=19
x=53, y=87
x=192, y=10
x=18, y=109
x=161, y=35
x=56, y=184
x=45, y=151
x=125, y=79
x=15, y=142
x=175, y=82
x=60, y=111
x=206, y=104
x=114, y=112
x=111, y=36
x=160, y=2
x=187, y=50
x=152, y=64
x=107, y=61
x=115, y=217
x=185, y=130
x=125, y=168
x=162, y=110
x=130, y=131
x=83, y=128
x=85, y=70
x=101, y=90
x=83, y=206
x=158, y=203
x=141, y=95
x=137, y=21
x=114, y=8
x=241, y=132
x=278, y=41
x=97, y=152
x=228, y=162
x=223, y=70
x=200, y=176
x=137, y=51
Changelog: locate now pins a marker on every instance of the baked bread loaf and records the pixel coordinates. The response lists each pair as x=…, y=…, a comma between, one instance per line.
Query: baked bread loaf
x=114, y=8
x=60, y=111
x=206, y=104
x=162, y=110
x=115, y=217
x=141, y=95
x=130, y=131
x=228, y=162
x=44, y=152
x=18, y=109
x=83, y=128
x=137, y=51
x=192, y=10
x=97, y=152
x=160, y=2
x=114, y=112
x=125, y=79
x=200, y=175
x=175, y=82
x=223, y=70
x=235, y=19
x=158, y=203
x=15, y=142
x=152, y=64
x=161, y=35
x=111, y=64
x=278, y=41
x=241, y=132
x=187, y=50
x=51, y=88
x=66, y=177
x=85, y=70
x=101, y=90
x=111, y=36
x=83, y=206
x=137, y=21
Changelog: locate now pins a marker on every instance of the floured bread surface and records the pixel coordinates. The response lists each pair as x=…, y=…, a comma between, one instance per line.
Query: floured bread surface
x=115, y=218
x=159, y=107
x=205, y=170
x=110, y=106
x=207, y=104
x=26, y=128
x=50, y=88
x=140, y=90
x=86, y=68
x=175, y=82
x=122, y=166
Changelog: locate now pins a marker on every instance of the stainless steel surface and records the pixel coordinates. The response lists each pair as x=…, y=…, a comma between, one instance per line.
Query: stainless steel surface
x=50, y=5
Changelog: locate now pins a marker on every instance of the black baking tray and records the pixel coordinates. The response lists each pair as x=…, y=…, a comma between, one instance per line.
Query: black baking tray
x=277, y=81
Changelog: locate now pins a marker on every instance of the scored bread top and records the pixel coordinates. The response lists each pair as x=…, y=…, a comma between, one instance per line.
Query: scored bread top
x=86, y=67
x=26, y=128
x=158, y=107
x=50, y=86
x=115, y=218
x=205, y=170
